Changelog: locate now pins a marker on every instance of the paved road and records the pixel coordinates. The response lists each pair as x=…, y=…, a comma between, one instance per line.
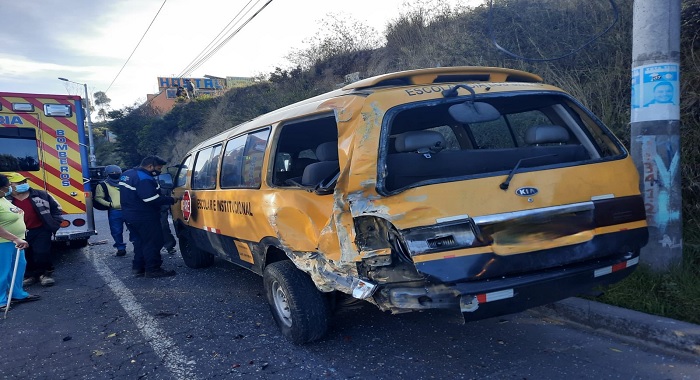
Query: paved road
x=98, y=322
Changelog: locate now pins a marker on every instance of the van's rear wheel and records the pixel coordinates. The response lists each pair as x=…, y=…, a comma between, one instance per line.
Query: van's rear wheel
x=193, y=256
x=300, y=310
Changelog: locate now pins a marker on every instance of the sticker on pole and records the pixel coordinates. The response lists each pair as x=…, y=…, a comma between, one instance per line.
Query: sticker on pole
x=655, y=92
x=186, y=205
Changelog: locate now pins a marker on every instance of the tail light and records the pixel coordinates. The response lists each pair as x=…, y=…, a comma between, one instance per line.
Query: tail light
x=79, y=222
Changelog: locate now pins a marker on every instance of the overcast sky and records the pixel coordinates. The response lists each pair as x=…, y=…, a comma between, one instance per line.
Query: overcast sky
x=88, y=41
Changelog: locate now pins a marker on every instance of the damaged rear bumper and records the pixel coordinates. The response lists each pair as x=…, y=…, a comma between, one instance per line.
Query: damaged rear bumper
x=506, y=295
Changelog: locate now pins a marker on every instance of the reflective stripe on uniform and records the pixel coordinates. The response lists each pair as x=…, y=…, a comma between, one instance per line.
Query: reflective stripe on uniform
x=152, y=198
x=127, y=186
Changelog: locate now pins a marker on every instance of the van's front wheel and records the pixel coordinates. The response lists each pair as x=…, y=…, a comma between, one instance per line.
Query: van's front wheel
x=300, y=310
x=193, y=256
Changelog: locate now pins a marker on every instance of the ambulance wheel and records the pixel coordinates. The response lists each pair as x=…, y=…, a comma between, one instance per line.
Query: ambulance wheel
x=300, y=310
x=193, y=256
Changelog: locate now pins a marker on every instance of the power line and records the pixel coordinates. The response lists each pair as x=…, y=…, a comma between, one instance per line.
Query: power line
x=225, y=29
x=202, y=58
x=197, y=62
x=137, y=45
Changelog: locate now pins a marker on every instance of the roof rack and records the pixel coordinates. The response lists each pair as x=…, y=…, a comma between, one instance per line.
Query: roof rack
x=445, y=75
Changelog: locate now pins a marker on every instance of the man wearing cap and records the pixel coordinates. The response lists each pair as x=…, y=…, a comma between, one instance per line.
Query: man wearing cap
x=43, y=217
x=109, y=196
x=141, y=201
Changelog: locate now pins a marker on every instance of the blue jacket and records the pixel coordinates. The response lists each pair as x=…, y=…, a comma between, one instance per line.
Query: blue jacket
x=140, y=196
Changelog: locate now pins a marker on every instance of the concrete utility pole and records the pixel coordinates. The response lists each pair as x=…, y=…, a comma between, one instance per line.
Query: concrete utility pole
x=655, y=138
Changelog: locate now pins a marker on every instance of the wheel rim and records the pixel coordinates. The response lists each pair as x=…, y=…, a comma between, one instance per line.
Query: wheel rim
x=281, y=304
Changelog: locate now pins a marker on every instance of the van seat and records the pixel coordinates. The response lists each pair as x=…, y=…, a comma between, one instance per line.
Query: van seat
x=420, y=142
x=418, y=158
x=546, y=134
x=327, y=154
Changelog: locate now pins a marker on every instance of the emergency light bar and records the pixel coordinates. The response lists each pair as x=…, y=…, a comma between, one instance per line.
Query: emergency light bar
x=23, y=107
x=58, y=110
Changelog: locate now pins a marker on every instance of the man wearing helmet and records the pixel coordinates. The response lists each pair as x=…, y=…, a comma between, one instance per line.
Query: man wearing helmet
x=111, y=198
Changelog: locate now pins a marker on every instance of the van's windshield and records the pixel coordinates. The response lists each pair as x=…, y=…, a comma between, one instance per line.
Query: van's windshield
x=423, y=144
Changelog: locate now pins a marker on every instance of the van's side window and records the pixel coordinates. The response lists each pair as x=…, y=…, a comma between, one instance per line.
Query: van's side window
x=233, y=162
x=182, y=174
x=296, y=148
x=205, y=168
x=253, y=158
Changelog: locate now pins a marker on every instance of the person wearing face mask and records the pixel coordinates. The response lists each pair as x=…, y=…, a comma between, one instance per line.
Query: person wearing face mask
x=12, y=230
x=141, y=202
x=108, y=195
x=43, y=217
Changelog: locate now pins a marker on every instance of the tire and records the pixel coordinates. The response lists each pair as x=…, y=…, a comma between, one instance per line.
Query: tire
x=193, y=256
x=300, y=310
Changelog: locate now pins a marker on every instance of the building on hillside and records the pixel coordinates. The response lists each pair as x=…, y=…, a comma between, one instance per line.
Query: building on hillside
x=172, y=90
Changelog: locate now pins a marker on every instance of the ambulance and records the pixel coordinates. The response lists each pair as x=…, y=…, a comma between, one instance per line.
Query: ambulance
x=43, y=138
x=480, y=190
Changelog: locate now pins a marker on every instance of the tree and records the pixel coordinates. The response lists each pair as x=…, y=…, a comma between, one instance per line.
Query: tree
x=127, y=126
x=102, y=102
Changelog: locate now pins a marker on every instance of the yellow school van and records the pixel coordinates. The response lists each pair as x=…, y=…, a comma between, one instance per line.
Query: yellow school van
x=475, y=189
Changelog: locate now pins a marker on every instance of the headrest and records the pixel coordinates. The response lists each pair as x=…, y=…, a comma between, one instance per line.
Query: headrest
x=420, y=141
x=546, y=134
x=328, y=151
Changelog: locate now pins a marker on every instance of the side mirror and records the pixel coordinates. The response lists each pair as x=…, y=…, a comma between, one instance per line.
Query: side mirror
x=166, y=181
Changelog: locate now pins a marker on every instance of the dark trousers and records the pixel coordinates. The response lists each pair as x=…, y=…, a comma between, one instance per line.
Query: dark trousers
x=168, y=238
x=38, y=254
x=147, y=237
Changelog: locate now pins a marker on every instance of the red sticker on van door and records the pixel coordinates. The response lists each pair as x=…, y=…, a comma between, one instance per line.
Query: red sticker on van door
x=186, y=206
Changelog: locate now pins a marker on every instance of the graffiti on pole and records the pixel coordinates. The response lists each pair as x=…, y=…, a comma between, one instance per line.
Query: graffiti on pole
x=658, y=181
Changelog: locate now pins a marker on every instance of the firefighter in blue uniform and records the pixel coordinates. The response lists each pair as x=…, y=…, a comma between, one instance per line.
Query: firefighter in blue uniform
x=141, y=201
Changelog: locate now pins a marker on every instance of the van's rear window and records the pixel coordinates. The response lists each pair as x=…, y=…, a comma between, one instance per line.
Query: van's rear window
x=424, y=143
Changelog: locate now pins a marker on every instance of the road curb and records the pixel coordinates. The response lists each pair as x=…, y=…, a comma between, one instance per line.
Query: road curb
x=666, y=332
